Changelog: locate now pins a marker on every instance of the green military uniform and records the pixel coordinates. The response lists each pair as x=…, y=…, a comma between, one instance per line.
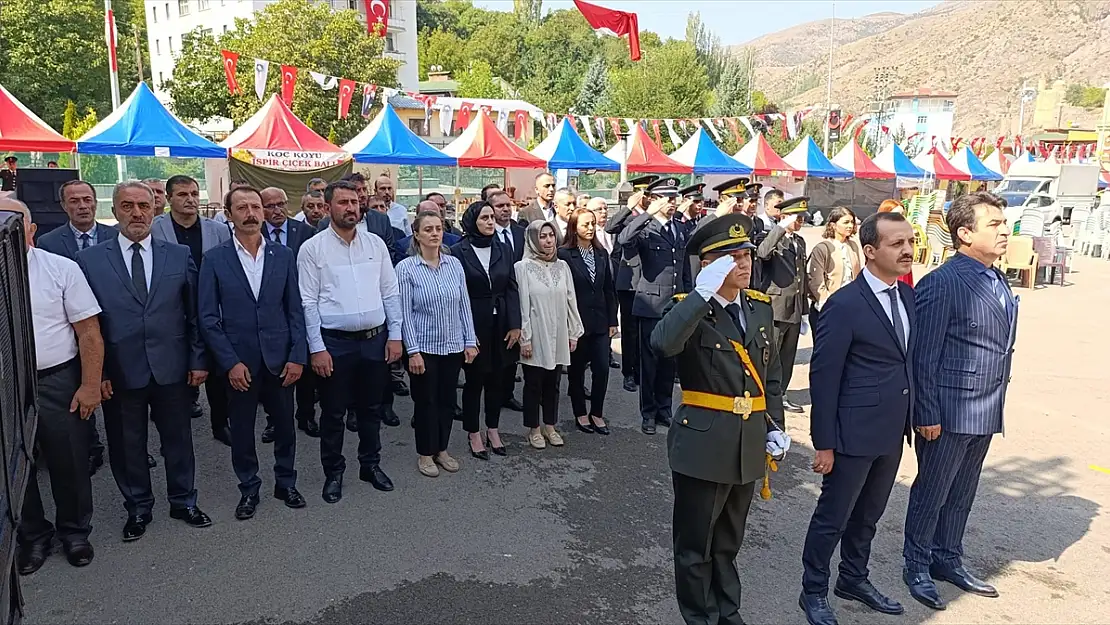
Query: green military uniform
x=730, y=386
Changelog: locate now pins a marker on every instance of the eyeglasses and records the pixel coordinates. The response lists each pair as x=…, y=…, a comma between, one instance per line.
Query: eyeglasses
x=274, y=205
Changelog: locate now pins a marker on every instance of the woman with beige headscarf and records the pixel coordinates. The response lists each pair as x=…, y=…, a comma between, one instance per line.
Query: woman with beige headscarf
x=549, y=329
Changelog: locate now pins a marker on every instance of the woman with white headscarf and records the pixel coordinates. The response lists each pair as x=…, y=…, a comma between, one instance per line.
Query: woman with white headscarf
x=549, y=329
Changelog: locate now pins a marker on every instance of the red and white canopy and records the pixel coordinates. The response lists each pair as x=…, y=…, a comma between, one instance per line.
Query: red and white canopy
x=23, y=131
x=483, y=145
x=854, y=159
x=644, y=156
x=758, y=155
x=274, y=137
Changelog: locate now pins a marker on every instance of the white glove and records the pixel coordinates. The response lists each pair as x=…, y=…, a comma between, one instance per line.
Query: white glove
x=805, y=327
x=778, y=443
x=788, y=221
x=712, y=276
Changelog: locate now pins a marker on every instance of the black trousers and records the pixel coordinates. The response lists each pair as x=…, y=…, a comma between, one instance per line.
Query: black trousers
x=630, y=336
x=656, y=376
x=216, y=390
x=491, y=382
x=63, y=440
x=306, y=395
x=541, y=395
x=358, y=380
x=96, y=448
x=125, y=426
x=814, y=314
x=708, y=529
x=786, y=337
x=593, y=353
x=242, y=409
x=508, y=379
x=434, y=394
x=941, y=497
x=853, y=498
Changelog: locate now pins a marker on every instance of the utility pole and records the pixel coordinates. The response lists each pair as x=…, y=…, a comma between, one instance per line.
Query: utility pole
x=1027, y=94
x=884, y=77
x=828, y=95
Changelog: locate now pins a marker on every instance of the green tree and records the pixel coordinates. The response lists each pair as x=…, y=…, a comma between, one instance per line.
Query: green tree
x=730, y=97
x=712, y=56
x=528, y=11
x=477, y=82
x=442, y=48
x=594, y=94
x=668, y=83
x=557, y=54
x=501, y=44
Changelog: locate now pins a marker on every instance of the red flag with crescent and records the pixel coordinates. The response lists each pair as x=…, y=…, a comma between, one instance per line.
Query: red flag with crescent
x=734, y=127
x=464, y=115
x=377, y=17
x=231, y=64
x=655, y=129
x=346, y=92
x=288, y=81
x=615, y=125
x=520, y=120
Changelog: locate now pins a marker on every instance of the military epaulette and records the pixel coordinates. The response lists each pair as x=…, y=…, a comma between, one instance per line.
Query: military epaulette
x=678, y=297
x=758, y=296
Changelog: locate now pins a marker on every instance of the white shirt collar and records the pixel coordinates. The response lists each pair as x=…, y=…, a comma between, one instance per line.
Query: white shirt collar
x=125, y=243
x=239, y=247
x=877, y=285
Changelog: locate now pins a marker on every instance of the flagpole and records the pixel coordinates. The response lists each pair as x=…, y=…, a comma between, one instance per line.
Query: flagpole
x=828, y=95
x=113, y=69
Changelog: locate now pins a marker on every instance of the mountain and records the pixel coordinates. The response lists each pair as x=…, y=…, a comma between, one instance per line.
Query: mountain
x=981, y=49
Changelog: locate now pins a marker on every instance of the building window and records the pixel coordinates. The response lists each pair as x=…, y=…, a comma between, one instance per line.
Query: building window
x=157, y=47
x=922, y=119
x=948, y=106
x=182, y=7
x=510, y=130
x=168, y=10
x=225, y=29
x=154, y=13
x=417, y=126
x=169, y=43
x=160, y=79
x=202, y=5
x=389, y=47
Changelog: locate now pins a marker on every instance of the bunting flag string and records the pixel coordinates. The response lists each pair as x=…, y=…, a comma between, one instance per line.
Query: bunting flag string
x=655, y=129
x=231, y=65
x=368, y=92
x=675, y=141
x=327, y=83
x=712, y=128
x=261, y=71
x=589, y=132
x=346, y=92
x=520, y=120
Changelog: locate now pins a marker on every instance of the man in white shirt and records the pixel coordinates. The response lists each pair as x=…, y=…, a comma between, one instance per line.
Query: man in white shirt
x=398, y=214
x=352, y=308
x=69, y=352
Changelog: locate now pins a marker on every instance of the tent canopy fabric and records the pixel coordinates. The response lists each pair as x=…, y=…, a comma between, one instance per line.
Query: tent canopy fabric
x=700, y=153
x=966, y=161
x=142, y=126
x=997, y=162
x=483, y=145
x=893, y=160
x=23, y=131
x=275, y=127
x=388, y=141
x=758, y=155
x=809, y=158
x=854, y=159
x=564, y=149
x=941, y=168
x=646, y=157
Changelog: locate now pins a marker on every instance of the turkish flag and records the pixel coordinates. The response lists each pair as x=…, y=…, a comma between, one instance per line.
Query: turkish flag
x=610, y=22
x=377, y=16
x=288, y=81
x=658, y=138
x=615, y=126
x=464, y=114
x=520, y=121
x=231, y=64
x=735, y=130
x=346, y=92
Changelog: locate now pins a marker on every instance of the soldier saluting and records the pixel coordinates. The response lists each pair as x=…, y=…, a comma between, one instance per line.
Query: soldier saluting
x=718, y=444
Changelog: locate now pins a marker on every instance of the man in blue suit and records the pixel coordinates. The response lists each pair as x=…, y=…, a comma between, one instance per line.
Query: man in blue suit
x=961, y=361
x=861, y=382
x=153, y=356
x=253, y=323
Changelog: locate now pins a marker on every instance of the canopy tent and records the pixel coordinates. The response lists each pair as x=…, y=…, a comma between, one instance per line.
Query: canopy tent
x=997, y=162
x=646, y=157
x=564, y=149
x=483, y=145
x=934, y=164
x=854, y=159
x=700, y=153
x=809, y=159
x=22, y=131
x=966, y=161
x=1025, y=157
x=141, y=126
x=758, y=155
x=275, y=127
x=388, y=141
x=893, y=160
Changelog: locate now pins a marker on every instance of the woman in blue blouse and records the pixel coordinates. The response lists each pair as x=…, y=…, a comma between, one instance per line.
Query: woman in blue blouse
x=438, y=332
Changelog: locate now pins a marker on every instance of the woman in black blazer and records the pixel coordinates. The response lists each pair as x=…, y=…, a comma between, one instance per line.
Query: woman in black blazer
x=495, y=304
x=597, y=305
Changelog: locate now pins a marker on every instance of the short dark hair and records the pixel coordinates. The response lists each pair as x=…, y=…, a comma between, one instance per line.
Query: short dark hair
x=774, y=192
x=869, y=229
x=177, y=180
x=962, y=213
x=329, y=191
x=74, y=183
x=242, y=189
x=489, y=198
x=239, y=182
x=354, y=176
x=319, y=195
x=434, y=193
x=308, y=187
x=486, y=190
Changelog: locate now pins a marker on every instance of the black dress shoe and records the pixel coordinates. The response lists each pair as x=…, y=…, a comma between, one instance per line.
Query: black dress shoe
x=481, y=455
x=224, y=436
x=268, y=434
x=352, y=421
x=517, y=378
x=630, y=384
x=458, y=414
x=866, y=593
x=248, y=504
x=309, y=427
x=78, y=553
x=817, y=609
x=197, y=411
x=963, y=579
x=500, y=451
x=193, y=516
x=513, y=404
x=151, y=462
x=95, y=462
x=600, y=429
x=135, y=527
x=613, y=364
x=377, y=478
x=648, y=427
x=923, y=590
x=400, y=388
x=588, y=428
x=290, y=496
x=32, y=557
x=664, y=421
x=333, y=488
x=390, y=418
x=790, y=406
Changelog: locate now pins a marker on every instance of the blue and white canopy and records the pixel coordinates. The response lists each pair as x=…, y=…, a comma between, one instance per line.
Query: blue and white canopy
x=894, y=161
x=966, y=161
x=141, y=126
x=564, y=149
x=807, y=157
x=388, y=141
x=700, y=153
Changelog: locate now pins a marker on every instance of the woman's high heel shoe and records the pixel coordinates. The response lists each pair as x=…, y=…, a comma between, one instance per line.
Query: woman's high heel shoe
x=481, y=455
x=600, y=429
x=588, y=428
x=500, y=451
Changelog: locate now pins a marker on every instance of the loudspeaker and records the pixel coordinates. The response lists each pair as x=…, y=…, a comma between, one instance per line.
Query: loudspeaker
x=39, y=190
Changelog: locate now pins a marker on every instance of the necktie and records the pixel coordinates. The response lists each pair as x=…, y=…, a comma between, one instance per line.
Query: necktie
x=138, y=271
x=506, y=239
x=1000, y=293
x=85, y=240
x=734, y=311
x=896, y=317
x=276, y=232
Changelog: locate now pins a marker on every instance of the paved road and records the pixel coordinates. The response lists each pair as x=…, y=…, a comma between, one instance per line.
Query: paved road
x=581, y=534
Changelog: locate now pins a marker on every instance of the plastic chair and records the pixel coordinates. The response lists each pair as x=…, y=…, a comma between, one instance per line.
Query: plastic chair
x=1049, y=256
x=1032, y=223
x=1021, y=258
x=939, y=243
x=920, y=245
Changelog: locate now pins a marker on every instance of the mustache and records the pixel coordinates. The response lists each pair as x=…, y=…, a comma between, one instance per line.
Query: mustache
x=250, y=221
x=905, y=258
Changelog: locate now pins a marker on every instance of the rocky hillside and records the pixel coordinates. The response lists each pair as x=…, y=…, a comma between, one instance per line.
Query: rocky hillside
x=982, y=49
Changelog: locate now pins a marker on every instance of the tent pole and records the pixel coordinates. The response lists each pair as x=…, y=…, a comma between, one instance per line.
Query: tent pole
x=419, y=180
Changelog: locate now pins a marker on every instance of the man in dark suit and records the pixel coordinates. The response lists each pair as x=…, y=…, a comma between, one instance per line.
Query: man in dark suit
x=543, y=208
x=153, y=356
x=719, y=442
x=962, y=359
x=861, y=382
x=509, y=233
x=655, y=243
x=782, y=267
x=252, y=320
x=626, y=278
x=81, y=232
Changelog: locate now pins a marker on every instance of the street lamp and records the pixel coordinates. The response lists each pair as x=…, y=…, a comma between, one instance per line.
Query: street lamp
x=1027, y=94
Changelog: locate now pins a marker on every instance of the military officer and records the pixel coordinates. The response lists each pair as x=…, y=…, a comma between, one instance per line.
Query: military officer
x=720, y=336
x=655, y=244
x=626, y=280
x=8, y=174
x=693, y=201
x=782, y=265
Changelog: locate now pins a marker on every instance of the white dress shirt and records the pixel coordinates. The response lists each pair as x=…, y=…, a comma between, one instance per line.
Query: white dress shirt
x=562, y=226
x=880, y=288
x=60, y=297
x=604, y=238
x=299, y=216
x=252, y=265
x=283, y=233
x=349, y=287
x=144, y=252
x=399, y=218
x=505, y=235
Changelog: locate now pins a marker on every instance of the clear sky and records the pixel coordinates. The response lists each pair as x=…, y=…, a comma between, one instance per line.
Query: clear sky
x=736, y=21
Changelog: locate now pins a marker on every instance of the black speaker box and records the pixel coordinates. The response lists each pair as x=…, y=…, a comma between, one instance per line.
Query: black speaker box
x=39, y=190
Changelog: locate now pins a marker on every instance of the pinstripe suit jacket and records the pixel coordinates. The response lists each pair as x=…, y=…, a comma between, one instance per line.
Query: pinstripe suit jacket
x=963, y=349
